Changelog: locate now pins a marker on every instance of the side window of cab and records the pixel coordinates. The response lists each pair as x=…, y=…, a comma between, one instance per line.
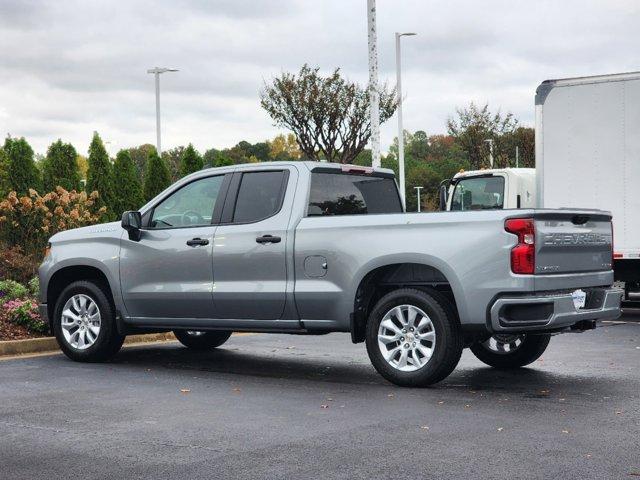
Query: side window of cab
x=190, y=206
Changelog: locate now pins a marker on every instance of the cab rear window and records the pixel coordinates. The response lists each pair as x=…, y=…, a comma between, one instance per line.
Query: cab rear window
x=349, y=194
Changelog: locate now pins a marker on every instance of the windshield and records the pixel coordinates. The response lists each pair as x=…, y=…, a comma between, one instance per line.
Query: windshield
x=479, y=193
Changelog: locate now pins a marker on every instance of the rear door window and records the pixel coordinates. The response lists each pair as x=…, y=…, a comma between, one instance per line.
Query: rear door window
x=347, y=194
x=259, y=196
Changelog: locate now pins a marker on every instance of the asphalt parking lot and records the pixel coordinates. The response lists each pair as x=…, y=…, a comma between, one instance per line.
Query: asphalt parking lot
x=276, y=406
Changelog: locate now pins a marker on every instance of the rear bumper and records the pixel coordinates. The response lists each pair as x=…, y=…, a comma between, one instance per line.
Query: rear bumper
x=552, y=311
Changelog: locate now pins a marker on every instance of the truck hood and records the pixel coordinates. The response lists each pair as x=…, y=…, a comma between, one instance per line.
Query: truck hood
x=111, y=229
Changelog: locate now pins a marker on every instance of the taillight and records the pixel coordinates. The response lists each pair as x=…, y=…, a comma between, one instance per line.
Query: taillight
x=523, y=255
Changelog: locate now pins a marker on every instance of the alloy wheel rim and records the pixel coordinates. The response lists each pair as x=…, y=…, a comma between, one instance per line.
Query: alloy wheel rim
x=81, y=321
x=504, y=344
x=406, y=338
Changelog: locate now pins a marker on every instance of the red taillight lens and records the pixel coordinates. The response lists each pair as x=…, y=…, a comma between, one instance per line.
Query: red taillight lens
x=523, y=255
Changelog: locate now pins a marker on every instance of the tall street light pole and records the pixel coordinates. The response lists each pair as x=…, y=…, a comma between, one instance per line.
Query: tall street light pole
x=157, y=71
x=418, y=192
x=399, y=101
x=374, y=101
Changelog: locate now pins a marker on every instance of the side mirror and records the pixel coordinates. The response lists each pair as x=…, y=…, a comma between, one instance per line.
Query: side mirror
x=443, y=196
x=132, y=222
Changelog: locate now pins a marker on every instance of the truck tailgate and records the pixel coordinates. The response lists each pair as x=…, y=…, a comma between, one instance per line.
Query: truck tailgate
x=572, y=241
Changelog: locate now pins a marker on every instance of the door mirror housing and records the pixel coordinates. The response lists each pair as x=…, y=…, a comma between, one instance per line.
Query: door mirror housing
x=132, y=223
x=444, y=187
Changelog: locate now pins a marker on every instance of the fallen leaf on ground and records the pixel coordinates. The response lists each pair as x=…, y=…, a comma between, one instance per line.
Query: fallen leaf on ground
x=424, y=427
x=500, y=429
x=185, y=390
x=324, y=406
x=391, y=395
x=467, y=406
x=440, y=403
x=237, y=389
x=565, y=431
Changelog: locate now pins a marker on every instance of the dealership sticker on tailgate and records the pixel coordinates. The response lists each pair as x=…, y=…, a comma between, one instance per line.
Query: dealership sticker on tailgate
x=579, y=298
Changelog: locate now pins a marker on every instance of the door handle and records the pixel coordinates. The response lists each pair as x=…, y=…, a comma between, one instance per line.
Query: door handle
x=268, y=239
x=197, y=241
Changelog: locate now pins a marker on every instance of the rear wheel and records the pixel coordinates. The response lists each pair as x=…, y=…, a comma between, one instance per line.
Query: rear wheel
x=84, y=323
x=412, y=338
x=511, y=351
x=199, y=340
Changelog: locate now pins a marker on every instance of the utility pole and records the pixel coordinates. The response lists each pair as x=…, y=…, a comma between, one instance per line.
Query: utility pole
x=374, y=101
x=399, y=101
x=517, y=156
x=490, y=142
x=157, y=71
x=418, y=193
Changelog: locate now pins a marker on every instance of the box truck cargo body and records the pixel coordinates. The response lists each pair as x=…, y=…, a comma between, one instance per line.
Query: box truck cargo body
x=588, y=156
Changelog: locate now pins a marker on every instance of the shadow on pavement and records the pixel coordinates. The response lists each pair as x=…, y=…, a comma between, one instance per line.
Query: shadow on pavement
x=533, y=381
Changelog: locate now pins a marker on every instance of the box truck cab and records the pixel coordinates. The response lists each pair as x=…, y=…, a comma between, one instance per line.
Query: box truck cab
x=504, y=188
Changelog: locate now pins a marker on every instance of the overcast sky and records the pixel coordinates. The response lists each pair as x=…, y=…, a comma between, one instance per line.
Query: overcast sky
x=69, y=68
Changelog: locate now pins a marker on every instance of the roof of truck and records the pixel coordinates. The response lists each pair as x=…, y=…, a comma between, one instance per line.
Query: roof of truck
x=545, y=87
x=309, y=164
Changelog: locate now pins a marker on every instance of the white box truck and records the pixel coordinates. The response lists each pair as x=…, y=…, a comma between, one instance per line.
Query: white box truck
x=587, y=156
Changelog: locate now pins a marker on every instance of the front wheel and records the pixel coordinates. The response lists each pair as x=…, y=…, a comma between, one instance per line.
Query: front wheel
x=84, y=323
x=413, y=338
x=199, y=340
x=511, y=351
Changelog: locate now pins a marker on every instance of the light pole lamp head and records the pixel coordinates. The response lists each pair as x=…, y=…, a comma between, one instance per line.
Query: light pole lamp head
x=157, y=70
x=405, y=34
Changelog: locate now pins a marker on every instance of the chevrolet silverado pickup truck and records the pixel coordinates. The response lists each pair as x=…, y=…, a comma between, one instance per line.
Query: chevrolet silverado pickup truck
x=312, y=248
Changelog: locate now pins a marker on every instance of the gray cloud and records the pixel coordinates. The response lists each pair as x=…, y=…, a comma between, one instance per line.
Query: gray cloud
x=68, y=68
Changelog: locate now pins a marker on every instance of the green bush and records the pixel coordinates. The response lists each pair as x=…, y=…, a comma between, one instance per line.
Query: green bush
x=11, y=290
x=25, y=313
x=34, y=286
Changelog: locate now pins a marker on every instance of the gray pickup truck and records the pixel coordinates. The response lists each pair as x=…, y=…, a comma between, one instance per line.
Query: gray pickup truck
x=312, y=248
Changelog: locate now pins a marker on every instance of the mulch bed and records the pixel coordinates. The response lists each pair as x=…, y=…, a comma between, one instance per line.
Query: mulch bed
x=11, y=331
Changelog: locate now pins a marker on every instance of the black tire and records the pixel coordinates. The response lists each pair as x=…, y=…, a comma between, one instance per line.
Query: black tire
x=448, y=345
x=202, y=340
x=108, y=341
x=531, y=348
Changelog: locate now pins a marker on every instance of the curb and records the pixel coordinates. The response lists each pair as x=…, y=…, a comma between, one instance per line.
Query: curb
x=49, y=344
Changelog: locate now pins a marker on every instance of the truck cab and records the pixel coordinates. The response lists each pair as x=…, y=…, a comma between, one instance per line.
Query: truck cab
x=503, y=188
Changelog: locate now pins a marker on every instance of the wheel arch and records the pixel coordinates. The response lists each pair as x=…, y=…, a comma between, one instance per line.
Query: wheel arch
x=400, y=272
x=68, y=274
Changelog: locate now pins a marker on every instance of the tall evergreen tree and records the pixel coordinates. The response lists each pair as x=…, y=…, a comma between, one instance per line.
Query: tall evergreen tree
x=100, y=175
x=190, y=162
x=22, y=171
x=60, y=168
x=128, y=192
x=4, y=174
x=156, y=176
